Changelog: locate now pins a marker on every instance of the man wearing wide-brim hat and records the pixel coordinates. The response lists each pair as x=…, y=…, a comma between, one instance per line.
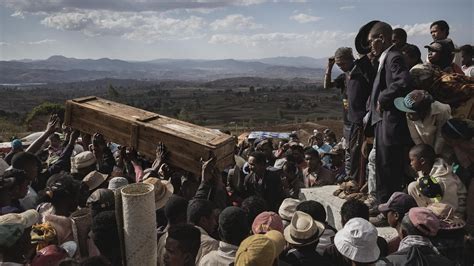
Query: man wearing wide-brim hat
x=303, y=235
x=391, y=132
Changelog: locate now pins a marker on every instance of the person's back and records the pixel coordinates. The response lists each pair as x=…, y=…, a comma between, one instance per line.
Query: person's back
x=306, y=256
x=418, y=255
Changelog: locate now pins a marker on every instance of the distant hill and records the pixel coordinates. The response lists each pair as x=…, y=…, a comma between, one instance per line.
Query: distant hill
x=58, y=69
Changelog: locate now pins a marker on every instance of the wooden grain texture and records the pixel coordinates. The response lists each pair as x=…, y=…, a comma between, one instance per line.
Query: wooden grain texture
x=130, y=126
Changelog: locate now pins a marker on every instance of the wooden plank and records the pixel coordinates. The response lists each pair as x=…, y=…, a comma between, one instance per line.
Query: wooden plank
x=130, y=126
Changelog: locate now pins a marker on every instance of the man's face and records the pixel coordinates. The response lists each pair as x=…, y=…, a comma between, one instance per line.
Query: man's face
x=437, y=33
x=466, y=59
x=344, y=64
x=31, y=170
x=433, y=56
x=319, y=140
x=397, y=41
x=313, y=162
x=415, y=162
x=376, y=44
x=210, y=223
x=254, y=167
x=392, y=218
x=173, y=254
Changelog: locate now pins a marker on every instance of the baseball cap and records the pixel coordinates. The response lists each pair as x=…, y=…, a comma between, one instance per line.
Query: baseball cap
x=258, y=249
x=267, y=221
x=410, y=102
x=399, y=202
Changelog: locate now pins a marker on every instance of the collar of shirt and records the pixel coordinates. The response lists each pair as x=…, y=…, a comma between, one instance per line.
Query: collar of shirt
x=382, y=57
x=227, y=249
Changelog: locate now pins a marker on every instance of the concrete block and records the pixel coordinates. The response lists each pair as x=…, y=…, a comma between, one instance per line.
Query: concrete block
x=333, y=205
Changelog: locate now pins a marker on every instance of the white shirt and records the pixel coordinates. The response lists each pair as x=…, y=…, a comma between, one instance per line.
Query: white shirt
x=383, y=56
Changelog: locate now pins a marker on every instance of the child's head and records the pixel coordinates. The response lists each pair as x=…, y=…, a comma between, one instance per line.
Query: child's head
x=422, y=157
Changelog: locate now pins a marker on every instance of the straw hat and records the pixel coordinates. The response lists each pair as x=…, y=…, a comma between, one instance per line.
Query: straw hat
x=163, y=190
x=94, y=179
x=303, y=230
x=445, y=213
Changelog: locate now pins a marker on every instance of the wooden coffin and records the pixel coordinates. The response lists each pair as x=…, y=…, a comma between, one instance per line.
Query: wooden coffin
x=133, y=127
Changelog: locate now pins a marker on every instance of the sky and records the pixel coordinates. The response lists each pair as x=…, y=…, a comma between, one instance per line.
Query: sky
x=207, y=29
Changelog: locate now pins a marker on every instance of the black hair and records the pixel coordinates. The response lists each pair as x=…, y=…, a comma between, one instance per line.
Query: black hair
x=106, y=234
x=188, y=237
x=412, y=51
x=297, y=147
x=260, y=157
x=63, y=186
x=291, y=166
x=467, y=48
x=424, y=151
x=16, y=175
x=443, y=25
x=176, y=209
x=21, y=159
x=311, y=151
x=408, y=228
x=314, y=209
x=456, y=128
x=95, y=261
x=400, y=33
x=198, y=208
x=254, y=205
x=354, y=208
x=233, y=225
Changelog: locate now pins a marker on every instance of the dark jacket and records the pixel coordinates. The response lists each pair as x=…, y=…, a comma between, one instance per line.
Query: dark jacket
x=269, y=188
x=418, y=256
x=359, y=87
x=306, y=257
x=392, y=81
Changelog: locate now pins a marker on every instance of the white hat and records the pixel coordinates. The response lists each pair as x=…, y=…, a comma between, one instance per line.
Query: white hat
x=82, y=160
x=303, y=230
x=288, y=208
x=358, y=241
x=117, y=182
x=94, y=179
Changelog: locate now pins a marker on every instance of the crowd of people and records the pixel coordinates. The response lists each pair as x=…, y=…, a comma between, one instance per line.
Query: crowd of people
x=405, y=160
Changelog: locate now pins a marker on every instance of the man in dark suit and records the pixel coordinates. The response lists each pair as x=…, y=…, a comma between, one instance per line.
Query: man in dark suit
x=263, y=182
x=392, y=137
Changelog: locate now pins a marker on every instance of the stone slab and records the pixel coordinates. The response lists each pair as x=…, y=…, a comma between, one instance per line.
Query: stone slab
x=333, y=205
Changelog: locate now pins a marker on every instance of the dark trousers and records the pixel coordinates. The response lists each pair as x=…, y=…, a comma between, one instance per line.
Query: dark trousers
x=357, y=162
x=390, y=163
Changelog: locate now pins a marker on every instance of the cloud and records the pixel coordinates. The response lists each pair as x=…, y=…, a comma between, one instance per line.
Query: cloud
x=304, y=18
x=4, y=44
x=45, y=41
x=235, y=22
x=48, y=6
x=417, y=29
x=142, y=26
x=310, y=39
x=346, y=7
x=18, y=14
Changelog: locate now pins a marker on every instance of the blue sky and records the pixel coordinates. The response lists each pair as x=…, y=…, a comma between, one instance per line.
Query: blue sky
x=209, y=29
